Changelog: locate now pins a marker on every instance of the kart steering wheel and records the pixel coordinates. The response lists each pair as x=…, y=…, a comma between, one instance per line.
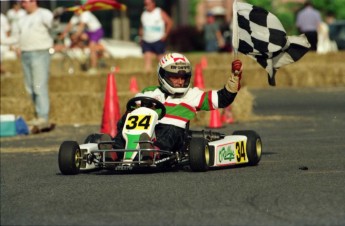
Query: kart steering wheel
x=148, y=102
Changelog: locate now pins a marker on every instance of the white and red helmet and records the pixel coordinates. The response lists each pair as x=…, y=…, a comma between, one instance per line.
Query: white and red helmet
x=173, y=64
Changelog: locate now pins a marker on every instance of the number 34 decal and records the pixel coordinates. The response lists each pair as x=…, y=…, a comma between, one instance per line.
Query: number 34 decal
x=138, y=122
x=240, y=152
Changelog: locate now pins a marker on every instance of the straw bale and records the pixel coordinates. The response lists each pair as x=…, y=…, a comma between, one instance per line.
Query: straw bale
x=18, y=106
x=79, y=98
x=84, y=108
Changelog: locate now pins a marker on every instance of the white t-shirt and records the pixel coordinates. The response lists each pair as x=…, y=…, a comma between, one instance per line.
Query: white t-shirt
x=5, y=26
x=35, y=30
x=4, y=39
x=90, y=20
x=153, y=25
x=4, y=29
x=13, y=17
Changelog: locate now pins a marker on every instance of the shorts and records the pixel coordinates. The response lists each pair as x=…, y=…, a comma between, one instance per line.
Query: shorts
x=155, y=47
x=95, y=36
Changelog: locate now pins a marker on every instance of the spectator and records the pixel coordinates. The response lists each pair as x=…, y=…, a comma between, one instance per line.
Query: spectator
x=227, y=36
x=88, y=22
x=4, y=38
x=212, y=34
x=14, y=14
x=5, y=27
x=308, y=22
x=34, y=44
x=155, y=28
x=325, y=44
x=331, y=20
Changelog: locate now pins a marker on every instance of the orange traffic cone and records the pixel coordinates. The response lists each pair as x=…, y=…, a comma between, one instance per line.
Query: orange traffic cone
x=115, y=69
x=203, y=62
x=227, y=116
x=198, y=77
x=111, y=108
x=215, y=121
x=133, y=85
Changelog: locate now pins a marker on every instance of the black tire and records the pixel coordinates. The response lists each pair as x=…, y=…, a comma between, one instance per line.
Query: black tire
x=199, y=154
x=97, y=137
x=254, y=146
x=69, y=158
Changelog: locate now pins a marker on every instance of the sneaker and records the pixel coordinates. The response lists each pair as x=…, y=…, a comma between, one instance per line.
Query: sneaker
x=40, y=125
x=145, y=143
x=31, y=122
x=92, y=71
x=40, y=122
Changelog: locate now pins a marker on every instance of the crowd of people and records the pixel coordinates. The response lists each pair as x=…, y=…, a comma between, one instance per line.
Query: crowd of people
x=27, y=27
x=309, y=22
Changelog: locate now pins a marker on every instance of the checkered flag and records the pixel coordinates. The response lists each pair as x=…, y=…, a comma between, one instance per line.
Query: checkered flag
x=260, y=35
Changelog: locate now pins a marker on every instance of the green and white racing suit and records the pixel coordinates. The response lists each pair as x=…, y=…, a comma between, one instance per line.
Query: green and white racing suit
x=180, y=110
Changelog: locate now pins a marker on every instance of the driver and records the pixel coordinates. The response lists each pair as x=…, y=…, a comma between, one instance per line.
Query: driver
x=182, y=101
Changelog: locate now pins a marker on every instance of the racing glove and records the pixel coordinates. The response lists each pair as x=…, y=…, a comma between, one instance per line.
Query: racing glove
x=233, y=85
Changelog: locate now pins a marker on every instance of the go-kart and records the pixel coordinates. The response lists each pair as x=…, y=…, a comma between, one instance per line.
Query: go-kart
x=201, y=150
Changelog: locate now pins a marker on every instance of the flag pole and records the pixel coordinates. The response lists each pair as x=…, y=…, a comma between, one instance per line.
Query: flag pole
x=234, y=29
x=235, y=54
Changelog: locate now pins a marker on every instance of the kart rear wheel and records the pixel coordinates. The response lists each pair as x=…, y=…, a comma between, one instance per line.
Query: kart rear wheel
x=254, y=146
x=199, y=154
x=69, y=158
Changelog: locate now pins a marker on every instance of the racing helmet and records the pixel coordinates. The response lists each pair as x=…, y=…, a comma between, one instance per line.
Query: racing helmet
x=174, y=64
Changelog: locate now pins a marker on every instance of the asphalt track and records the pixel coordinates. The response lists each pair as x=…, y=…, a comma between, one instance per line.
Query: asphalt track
x=299, y=181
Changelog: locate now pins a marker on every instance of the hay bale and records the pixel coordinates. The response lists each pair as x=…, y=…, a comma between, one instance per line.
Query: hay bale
x=13, y=86
x=83, y=108
x=18, y=106
x=79, y=98
x=242, y=107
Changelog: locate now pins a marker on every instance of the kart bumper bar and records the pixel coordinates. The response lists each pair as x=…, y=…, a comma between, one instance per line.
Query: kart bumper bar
x=159, y=156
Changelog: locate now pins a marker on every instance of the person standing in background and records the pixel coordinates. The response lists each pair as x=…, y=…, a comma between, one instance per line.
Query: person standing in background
x=13, y=15
x=155, y=27
x=308, y=22
x=325, y=44
x=331, y=20
x=212, y=34
x=34, y=44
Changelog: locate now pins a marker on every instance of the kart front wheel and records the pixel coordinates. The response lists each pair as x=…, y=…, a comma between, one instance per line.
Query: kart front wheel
x=69, y=158
x=199, y=155
x=254, y=146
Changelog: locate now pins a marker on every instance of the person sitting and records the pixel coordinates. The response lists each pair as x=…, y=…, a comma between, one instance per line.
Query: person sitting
x=94, y=32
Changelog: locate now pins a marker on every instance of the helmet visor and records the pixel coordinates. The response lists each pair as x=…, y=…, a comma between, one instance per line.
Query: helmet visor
x=181, y=79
